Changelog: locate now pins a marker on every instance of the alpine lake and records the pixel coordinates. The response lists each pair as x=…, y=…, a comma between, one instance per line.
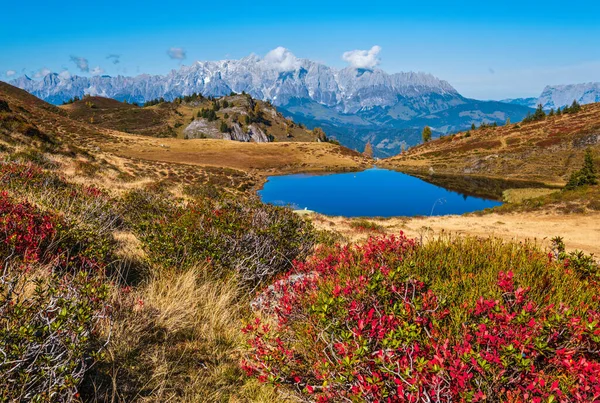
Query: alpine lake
x=378, y=192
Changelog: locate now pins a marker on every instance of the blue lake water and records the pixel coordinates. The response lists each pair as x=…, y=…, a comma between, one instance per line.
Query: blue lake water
x=372, y=193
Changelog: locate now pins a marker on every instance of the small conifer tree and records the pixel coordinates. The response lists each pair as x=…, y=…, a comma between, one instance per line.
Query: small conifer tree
x=586, y=175
x=426, y=134
x=368, y=150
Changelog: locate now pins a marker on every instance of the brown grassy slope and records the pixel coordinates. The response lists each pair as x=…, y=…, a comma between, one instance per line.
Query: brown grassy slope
x=264, y=158
x=547, y=151
x=170, y=119
x=172, y=159
x=111, y=114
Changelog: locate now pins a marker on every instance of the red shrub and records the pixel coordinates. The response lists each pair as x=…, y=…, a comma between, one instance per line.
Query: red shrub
x=356, y=325
x=24, y=231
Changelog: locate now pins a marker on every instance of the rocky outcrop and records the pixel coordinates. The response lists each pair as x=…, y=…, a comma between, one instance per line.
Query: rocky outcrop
x=236, y=134
x=257, y=135
x=201, y=129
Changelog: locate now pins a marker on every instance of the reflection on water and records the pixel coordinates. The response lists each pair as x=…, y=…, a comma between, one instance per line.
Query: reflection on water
x=370, y=193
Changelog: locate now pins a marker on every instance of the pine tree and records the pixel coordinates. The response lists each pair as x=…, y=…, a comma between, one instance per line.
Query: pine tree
x=223, y=128
x=507, y=121
x=539, y=113
x=586, y=175
x=473, y=126
x=426, y=134
x=368, y=150
x=320, y=134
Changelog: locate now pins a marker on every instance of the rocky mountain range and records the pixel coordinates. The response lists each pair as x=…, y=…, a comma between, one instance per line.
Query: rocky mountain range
x=556, y=96
x=559, y=96
x=355, y=106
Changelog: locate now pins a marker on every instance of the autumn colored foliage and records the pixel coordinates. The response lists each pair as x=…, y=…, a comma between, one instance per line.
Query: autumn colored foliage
x=378, y=322
x=52, y=300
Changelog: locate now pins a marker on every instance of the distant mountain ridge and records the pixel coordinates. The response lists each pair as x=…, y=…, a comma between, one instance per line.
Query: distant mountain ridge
x=555, y=96
x=529, y=102
x=354, y=105
x=559, y=96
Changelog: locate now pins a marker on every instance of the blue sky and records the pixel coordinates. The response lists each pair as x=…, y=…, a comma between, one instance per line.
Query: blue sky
x=487, y=50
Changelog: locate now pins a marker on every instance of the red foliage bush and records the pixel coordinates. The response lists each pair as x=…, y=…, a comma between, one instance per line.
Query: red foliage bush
x=23, y=230
x=356, y=325
x=53, y=300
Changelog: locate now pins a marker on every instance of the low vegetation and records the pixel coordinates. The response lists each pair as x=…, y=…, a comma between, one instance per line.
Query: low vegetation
x=580, y=194
x=364, y=225
x=128, y=280
x=452, y=320
x=118, y=288
x=546, y=148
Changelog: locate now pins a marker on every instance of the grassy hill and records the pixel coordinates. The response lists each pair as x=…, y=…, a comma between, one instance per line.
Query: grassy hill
x=545, y=151
x=191, y=117
x=111, y=114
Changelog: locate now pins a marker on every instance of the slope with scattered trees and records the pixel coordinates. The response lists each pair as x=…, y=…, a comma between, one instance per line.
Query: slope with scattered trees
x=544, y=148
x=237, y=117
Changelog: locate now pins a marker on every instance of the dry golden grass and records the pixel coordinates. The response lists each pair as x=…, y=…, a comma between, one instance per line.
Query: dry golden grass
x=546, y=151
x=580, y=231
x=177, y=338
x=518, y=195
x=264, y=157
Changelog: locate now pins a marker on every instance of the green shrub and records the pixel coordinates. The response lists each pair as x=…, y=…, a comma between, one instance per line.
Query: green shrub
x=254, y=239
x=48, y=335
x=366, y=226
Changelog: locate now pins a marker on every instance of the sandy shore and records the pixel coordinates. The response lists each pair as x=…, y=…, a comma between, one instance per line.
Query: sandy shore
x=580, y=231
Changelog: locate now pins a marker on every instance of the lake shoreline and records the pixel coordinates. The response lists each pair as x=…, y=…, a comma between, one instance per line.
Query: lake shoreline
x=372, y=192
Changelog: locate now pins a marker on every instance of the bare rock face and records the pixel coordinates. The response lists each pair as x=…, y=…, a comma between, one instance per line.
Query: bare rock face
x=563, y=95
x=257, y=135
x=236, y=134
x=201, y=129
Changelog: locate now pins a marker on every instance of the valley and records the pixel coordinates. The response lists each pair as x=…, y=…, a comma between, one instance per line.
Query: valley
x=171, y=271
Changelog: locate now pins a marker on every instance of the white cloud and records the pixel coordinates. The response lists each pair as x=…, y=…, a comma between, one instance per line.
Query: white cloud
x=43, y=72
x=363, y=59
x=65, y=74
x=281, y=59
x=176, y=53
x=96, y=71
x=81, y=63
x=10, y=73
